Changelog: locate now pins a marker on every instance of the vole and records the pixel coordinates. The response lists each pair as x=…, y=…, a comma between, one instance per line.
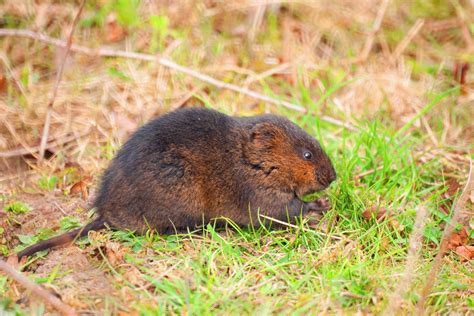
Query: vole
x=190, y=166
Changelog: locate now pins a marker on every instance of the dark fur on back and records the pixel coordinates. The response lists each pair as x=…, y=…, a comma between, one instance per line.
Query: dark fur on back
x=192, y=165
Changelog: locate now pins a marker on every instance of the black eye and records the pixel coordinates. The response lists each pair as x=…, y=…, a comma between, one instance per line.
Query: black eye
x=307, y=155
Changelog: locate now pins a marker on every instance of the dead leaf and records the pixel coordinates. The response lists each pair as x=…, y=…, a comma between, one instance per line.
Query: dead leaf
x=3, y=83
x=446, y=211
x=374, y=211
x=396, y=225
x=459, y=74
x=114, y=32
x=385, y=243
x=453, y=187
x=80, y=188
x=465, y=252
x=114, y=255
x=134, y=276
x=458, y=238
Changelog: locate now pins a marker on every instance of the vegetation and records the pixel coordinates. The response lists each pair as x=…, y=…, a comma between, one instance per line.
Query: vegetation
x=410, y=100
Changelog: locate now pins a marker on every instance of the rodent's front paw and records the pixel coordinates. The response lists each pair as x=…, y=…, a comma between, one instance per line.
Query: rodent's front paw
x=320, y=205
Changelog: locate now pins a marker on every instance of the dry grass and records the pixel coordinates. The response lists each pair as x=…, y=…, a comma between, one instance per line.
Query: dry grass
x=304, y=52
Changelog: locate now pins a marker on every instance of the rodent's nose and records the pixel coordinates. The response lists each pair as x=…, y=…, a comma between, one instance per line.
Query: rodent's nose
x=332, y=176
x=327, y=176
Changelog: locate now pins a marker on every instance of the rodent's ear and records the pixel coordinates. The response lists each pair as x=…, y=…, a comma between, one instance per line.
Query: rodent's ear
x=263, y=133
x=263, y=137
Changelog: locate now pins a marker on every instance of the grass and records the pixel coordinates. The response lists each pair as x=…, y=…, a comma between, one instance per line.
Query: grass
x=415, y=133
x=297, y=271
x=257, y=271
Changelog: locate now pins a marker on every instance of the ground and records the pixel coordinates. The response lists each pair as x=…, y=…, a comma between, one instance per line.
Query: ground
x=401, y=77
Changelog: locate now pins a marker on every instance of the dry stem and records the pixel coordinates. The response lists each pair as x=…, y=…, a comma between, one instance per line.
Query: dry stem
x=458, y=210
x=414, y=246
x=408, y=38
x=59, y=74
x=25, y=149
x=105, y=52
x=298, y=227
x=466, y=33
x=375, y=29
x=36, y=289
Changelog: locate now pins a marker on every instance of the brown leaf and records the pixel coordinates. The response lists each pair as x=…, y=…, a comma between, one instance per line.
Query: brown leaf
x=465, y=252
x=385, y=243
x=453, y=187
x=459, y=74
x=114, y=32
x=80, y=188
x=3, y=83
x=134, y=276
x=114, y=253
x=374, y=211
x=458, y=239
x=446, y=211
x=396, y=225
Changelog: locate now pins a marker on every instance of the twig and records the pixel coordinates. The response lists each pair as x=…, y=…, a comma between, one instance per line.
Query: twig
x=366, y=173
x=375, y=29
x=466, y=33
x=14, y=77
x=36, y=289
x=336, y=122
x=441, y=25
x=105, y=52
x=414, y=246
x=426, y=109
x=458, y=210
x=11, y=177
x=26, y=149
x=352, y=295
x=257, y=20
x=59, y=74
x=60, y=208
x=408, y=38
x=267, y=73
x=297, y=227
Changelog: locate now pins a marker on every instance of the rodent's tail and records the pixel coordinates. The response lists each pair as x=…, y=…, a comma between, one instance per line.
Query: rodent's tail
x=63, y=239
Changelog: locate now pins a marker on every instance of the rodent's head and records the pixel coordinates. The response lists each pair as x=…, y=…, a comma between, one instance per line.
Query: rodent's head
x=288, y=156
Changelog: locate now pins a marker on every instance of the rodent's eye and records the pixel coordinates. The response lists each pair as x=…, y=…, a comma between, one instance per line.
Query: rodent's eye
x=307, y=155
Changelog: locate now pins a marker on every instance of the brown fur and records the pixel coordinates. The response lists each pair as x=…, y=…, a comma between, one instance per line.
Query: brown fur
x=191, y=166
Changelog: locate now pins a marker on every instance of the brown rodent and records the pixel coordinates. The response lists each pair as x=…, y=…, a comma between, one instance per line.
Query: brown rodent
x=190, y=166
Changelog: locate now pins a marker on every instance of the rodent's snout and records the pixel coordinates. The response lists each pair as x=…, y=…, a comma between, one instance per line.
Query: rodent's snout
x=332, y=176
x=327, y=176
